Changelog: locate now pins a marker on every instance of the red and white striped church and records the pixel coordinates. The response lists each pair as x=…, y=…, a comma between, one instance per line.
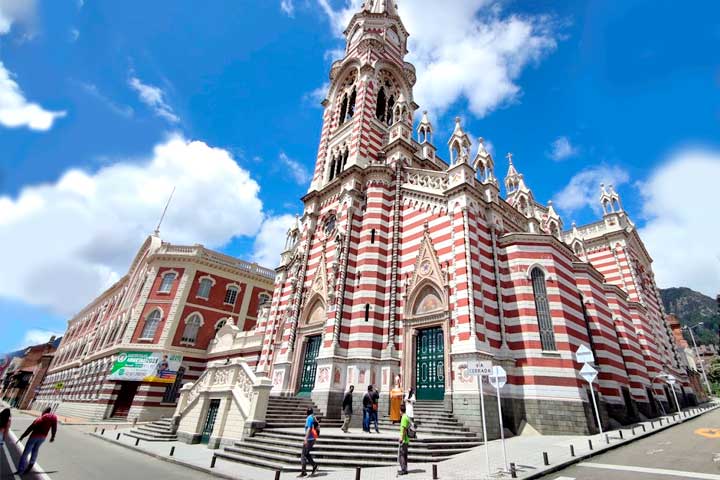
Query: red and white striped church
x=407, y=262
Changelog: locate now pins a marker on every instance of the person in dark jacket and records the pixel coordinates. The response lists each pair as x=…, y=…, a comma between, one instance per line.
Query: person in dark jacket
x=375, y=408
x=367, y=408
x=347, y=408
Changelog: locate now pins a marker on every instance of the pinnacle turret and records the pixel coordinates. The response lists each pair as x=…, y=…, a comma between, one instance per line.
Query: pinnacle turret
x=381, y=6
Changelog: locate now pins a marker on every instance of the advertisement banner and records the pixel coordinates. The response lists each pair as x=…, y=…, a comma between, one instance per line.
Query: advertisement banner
x=157, y=367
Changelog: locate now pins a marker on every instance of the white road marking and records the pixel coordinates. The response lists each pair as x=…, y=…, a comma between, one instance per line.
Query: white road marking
x=654, y=471
x=11, y=463
x=565, y=478
x=38, y=470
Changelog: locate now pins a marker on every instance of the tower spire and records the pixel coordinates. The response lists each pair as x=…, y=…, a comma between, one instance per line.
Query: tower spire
x=381, y=6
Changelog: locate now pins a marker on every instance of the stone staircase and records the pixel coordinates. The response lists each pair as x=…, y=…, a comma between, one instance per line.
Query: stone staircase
x=289, y=412
x=157, y=431
x=432, y=418
x=279, y=446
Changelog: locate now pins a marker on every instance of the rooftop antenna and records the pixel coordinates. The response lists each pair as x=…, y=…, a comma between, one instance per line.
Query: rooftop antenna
x=162, y=217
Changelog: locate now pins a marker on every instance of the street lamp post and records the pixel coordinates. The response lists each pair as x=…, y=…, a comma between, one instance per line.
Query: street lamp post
x=700, y=359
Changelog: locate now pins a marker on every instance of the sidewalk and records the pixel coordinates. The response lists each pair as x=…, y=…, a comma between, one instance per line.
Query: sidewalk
x=525, y=452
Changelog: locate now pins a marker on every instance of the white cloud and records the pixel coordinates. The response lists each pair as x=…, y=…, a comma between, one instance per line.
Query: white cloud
x=270, y=242
x=295, y=170
x=37, y=337
x=16, y=11
x=15, y=109
x=154, y=97
x=288, y=7
x=465, y=50
x=94, y=91
x=583, y=190
x=681, y=199
x=561, y=149
x=74, y=34
x=63, y=243
x=318, y=95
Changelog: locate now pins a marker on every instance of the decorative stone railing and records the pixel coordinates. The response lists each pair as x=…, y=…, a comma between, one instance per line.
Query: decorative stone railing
x=230, y=341
x=243, y=399
x=200, y=251
x=426, y=180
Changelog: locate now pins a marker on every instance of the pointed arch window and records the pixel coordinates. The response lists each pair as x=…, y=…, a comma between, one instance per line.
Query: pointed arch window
x=542, y=307
x=351, y=104
x=343, y=109
x=192, y=327
x=381, y=105
x=151, y=325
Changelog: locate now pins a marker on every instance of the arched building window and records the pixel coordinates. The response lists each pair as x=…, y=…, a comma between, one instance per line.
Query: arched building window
x=231, y=295
x=151, y=324
x=542, y=307
x=192, y=327
x=204, y=288
x=167, y=281
x=221, y=323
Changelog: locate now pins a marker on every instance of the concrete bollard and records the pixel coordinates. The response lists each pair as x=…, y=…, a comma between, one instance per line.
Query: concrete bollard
x=102, y=432
x=590, y=444
x=661, y=422
x=358, y=471
x=607, y=439
x=434, y=470
x=277, y=474
x=633, y=431
x=95, y=430
x=137, y=442
x=212, y=462
x=621, y=434
x=546, y=461
x=652, y=424
x=513, y=471
x=172, y=451
x=572, y=450
x=643, y=425
x=117, y=437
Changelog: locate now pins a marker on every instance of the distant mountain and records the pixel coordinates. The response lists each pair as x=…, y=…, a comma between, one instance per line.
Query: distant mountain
x=692, y=307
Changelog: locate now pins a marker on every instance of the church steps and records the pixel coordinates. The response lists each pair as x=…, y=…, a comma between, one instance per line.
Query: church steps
x=291, y=455
x=376, y=439
x=350, y=446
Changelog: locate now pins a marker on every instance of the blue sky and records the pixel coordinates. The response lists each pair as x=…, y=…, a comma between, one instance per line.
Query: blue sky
x=102, y=99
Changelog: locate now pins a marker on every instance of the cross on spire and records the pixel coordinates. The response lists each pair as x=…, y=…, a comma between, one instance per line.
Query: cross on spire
x=509, y=156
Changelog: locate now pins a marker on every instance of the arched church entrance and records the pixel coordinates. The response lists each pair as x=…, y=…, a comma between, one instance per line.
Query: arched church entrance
x=430, y=364
x=312, y=340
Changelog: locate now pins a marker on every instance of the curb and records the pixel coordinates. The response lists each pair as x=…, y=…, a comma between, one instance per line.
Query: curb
x=164, y=458
x=606, y=448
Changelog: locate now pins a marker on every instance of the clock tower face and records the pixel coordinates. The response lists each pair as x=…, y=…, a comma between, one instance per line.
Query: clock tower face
x=425, y=267
x=393, y=36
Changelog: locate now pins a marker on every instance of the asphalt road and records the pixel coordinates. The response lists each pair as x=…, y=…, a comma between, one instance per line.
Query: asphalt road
x=678, y=453
x=75, y=455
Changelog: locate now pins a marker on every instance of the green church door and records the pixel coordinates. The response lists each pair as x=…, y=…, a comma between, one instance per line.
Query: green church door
x=430, y=364
x=307, y=381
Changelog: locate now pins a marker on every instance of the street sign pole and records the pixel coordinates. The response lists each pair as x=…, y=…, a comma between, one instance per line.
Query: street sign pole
x=595, y=407
x=498, y=378
x=672, y=381
x=484, y=421
x=477, y=371
x=589, y=374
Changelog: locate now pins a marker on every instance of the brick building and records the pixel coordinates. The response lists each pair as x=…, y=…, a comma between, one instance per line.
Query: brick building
x=171, y=302
x=407, y=264
x=25, y=373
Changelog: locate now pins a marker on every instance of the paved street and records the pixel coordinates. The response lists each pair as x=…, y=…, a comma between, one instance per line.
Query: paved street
x=677, y=453
x=75, y=455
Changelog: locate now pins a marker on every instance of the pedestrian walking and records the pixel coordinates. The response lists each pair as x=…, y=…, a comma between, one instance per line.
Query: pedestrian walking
x=347, y=407
x=5, y=422
x=404, y=442
x=312, y=428
x=38, y=431
x=367, y=408
x=375, y=408
x=410, y=403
